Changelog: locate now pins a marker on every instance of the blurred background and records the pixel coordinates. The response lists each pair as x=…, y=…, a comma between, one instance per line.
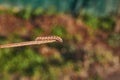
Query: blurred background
x=90, y=30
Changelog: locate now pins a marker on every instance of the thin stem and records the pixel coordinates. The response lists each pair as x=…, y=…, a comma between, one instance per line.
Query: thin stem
x=38, y=40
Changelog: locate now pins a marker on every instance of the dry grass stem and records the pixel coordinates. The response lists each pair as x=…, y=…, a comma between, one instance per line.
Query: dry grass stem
x=37, y=41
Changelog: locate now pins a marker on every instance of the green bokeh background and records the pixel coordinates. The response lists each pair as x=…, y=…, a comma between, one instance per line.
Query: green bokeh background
x=63, y=61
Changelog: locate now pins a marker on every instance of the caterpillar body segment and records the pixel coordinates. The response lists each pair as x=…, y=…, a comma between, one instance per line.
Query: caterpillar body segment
x=58, y=39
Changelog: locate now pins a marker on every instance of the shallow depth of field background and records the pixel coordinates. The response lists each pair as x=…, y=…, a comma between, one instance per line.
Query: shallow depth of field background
x=91, y=39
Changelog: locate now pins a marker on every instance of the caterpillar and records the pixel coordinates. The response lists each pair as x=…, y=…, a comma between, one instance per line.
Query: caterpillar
x=37, y=41
x=49, y=38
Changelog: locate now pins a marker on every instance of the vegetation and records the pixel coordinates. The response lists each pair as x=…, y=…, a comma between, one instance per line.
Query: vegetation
x=76, y=58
